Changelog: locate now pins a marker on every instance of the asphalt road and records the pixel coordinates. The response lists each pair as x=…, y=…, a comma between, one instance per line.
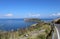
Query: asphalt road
x=57, y=26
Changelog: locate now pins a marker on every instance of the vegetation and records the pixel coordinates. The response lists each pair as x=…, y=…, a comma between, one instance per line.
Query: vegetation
x=41, y=36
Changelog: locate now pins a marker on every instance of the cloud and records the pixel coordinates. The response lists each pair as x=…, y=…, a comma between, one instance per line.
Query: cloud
x=8, y=15
x=34, y=15
x=55, y=14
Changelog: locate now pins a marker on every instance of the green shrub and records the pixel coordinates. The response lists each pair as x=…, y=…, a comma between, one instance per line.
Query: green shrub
x=41, y=36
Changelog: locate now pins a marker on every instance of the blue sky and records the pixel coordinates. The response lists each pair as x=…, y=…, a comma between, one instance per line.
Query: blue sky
x=29, y=8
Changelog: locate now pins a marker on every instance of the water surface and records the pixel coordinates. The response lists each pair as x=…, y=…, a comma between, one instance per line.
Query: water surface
x=9, y=24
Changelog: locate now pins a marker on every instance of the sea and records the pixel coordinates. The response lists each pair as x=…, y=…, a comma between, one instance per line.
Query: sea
x=15, y=24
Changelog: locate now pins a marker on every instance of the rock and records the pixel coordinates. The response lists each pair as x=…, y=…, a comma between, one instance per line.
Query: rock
x=26, y=35
x=57, y=21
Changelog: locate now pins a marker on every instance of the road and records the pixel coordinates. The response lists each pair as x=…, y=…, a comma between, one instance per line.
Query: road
x=57, y=27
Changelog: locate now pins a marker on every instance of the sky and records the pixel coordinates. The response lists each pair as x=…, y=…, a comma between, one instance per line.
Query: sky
x=29, y=8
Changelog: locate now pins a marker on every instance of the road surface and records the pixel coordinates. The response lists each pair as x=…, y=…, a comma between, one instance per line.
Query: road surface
x=57, y=27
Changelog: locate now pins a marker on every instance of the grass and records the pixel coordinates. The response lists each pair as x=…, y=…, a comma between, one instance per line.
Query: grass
x=41, y=36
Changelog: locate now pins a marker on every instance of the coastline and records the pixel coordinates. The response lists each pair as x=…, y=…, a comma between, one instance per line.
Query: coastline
x=23, y=32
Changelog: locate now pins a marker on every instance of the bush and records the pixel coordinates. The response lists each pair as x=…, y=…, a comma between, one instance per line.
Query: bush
x=41, y=36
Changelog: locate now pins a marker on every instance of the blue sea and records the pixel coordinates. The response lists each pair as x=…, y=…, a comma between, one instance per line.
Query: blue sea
x=9, y=24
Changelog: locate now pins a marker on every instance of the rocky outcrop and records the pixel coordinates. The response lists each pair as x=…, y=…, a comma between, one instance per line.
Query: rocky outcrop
x=57, y=21
x=32, y=20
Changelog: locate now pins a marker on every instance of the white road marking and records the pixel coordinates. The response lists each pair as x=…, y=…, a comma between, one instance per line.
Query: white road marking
x=57, y=33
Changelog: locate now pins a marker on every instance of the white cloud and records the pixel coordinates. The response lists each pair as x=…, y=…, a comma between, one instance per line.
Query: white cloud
x=8, y=15
x=33, y=15
x=55, y=14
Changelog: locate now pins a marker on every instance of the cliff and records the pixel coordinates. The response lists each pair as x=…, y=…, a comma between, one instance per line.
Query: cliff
x=57, y=21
